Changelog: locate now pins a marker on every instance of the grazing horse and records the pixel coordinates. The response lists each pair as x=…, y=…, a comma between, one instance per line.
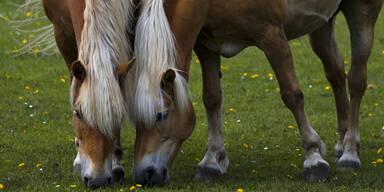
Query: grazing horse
x=168, y=30
x=93, y=36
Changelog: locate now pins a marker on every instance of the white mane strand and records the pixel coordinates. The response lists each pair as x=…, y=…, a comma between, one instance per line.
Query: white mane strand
x=155, y=53
x=104, y=45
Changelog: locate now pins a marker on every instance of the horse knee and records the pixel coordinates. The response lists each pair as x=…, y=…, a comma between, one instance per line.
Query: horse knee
x=293, y=100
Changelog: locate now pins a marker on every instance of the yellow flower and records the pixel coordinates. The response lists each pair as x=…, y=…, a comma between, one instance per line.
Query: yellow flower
x=197, y=159
x=36, y=91
x=293, y=165
x=21, y=98
x=38, y=165
x=254, y=76
x=270, y=75
x=1, y=186
x=28, y=14
x=254, y=171
x=31, y=36
x=54, y=182
x=240, y=190
x=346, y=62
x=299, y=154
x=7, y=76
x=25, y=41
x=71, y=140
x=132, y=188
x=121, y=190
x=62, y=80
x=373, y=134
x=369, y=114
x=226, y=143
x=289, y=177
x=36, y=50
x=290, y=126
x=7, y=161
x=245, y=74
x=379, y=160
x=232, y=109
x=73, y=186
x=194, y=103
x=379, y=150
x=21, y=164
x=277, y=146
x=245, y=145
x=277, y=89
x=46, y=113
x=237, y=164
x=355, y=173
x=266, y=90
x=27, y=87
x=327, y=88
x=197, y=61
x=224, y=68
x=65, y=77
x=376, y=104
x=138, y=185
x=382, y=52
x=373, y=162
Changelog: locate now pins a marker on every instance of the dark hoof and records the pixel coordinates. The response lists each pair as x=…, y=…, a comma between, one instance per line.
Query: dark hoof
x=207, y=174
x=118, y=174
x=317, y=173
x=348, y=166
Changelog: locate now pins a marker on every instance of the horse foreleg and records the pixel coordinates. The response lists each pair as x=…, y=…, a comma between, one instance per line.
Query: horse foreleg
x=215, y=161
x=275, y=46
x=361, y=18
x=324, y=44
x=117, y=168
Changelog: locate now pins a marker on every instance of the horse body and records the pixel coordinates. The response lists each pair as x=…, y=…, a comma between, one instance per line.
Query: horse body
x=217, y=28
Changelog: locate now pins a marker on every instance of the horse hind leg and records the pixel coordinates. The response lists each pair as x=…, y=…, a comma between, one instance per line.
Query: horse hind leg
x=215, y=161
x=361, y=17
x=324, y=44
x=276, y=48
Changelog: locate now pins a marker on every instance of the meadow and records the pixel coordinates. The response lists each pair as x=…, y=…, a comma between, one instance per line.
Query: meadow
x=261, y=136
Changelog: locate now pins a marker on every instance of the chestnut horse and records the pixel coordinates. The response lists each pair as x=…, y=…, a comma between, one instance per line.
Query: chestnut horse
x=168, y=30
x=93, y=36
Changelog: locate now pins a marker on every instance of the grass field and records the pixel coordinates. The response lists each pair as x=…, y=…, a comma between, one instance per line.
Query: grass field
x=36, y=135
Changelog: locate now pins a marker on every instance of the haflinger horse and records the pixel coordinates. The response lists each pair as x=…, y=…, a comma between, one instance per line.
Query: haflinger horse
x=94, y=36
x=168, y=30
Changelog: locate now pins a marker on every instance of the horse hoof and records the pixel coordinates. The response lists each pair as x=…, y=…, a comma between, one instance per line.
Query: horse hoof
x=207, y=174
x=317, y=173
x=348, y=165
x=118, y=174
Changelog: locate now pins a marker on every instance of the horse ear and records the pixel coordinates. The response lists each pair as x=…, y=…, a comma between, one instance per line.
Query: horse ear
x=123, y=69
x=78, y=71
x=168, y=78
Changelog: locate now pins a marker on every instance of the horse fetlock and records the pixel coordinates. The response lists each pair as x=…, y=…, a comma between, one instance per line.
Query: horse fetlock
x=339, y=149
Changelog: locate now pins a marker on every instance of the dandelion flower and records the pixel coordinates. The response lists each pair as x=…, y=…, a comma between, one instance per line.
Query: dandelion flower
x=197, y=61
x=224, y=68
x=237, y=164
x=231, y=109
x=270, y=75
x=36, y=91
x=382, y=52
x=21, y=98
x=245, y=145
x=21, y=164
x=379, y=150
x=277, y=89
x=73, y=186
x=62, y=80
x=28, y=14
x=71, y=140
x=240, y=190
x=266, y=90
x=132, y=188
x=197, y=159
x=254, y=76
x=1, y=186
x=376, y=104
x=54, y=182
x=121, y=190
x=138, y=185
x=245, y=74
x=379, y=160
x=7, y=76
x=27, y=87
x=194, y=103
x=277, y=146
x=290, y=126
x=254, y=171
x=38, y=165
x=25, y=41
x=369, y=114
x=7, y=161
x=289, y=177
x=31, y=36
x=327, y=88
x=355, y=173
x=293, y=165
x=346, y=62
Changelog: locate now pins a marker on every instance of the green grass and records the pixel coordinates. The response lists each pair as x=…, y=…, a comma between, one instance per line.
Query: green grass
x=264, y=122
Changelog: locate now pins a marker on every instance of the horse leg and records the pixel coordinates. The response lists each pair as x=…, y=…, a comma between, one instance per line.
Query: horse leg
x=276, y=48
x=215, y=161
x=323, y=42
x=117, y=168
x=361, y=18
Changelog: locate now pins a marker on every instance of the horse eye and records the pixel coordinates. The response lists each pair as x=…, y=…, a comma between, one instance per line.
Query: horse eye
x=161, y=116
x=79, y=115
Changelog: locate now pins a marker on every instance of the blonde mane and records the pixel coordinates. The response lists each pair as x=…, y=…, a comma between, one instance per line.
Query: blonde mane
x=105, y=44
x=155, y=53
